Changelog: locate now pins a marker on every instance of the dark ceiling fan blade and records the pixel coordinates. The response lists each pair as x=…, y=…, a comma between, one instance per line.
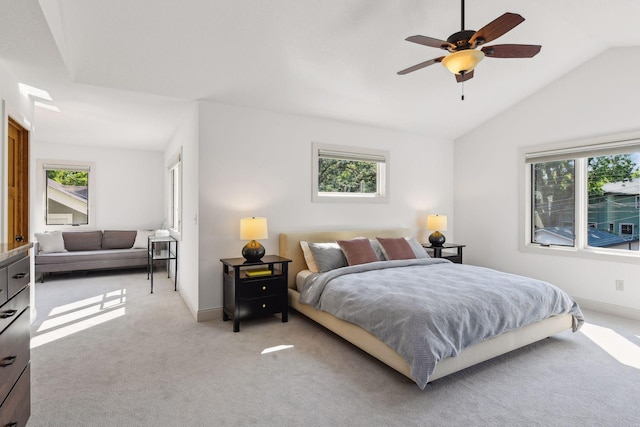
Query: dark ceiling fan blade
x=511, y=50
x=464, y=77
x=421, y=65
x=496, y=28
x=430, y=41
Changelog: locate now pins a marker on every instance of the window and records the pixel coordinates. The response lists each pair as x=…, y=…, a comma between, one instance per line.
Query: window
x=553, y=203
x=584, y=197
x=626, y=229
x=349, y=174
x=67, y=193
x=175, y=194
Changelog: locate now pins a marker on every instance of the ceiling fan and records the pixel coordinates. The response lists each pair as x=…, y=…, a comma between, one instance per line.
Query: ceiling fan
x=464, y=56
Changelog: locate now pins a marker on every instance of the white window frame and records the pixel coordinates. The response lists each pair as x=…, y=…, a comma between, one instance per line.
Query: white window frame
x=580, y=150
x=382, y=157
x=41, y=188
x=174, y=208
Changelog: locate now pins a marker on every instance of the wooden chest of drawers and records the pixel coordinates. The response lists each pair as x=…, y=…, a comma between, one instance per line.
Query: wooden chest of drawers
x=15, y=336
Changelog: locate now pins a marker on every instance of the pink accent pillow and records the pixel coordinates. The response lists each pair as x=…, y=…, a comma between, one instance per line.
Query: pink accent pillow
x=358, y=251
x=396, y=248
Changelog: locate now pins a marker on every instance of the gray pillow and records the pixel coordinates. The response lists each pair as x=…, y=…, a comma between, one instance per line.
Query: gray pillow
x=417, y=249
x=378, y=249
x=328, y=256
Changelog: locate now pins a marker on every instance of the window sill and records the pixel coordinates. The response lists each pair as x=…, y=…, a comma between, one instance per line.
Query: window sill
x=342, y=197
x=594, y=254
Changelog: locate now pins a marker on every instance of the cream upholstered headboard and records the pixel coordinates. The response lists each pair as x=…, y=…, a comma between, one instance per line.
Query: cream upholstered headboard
x=290, y=243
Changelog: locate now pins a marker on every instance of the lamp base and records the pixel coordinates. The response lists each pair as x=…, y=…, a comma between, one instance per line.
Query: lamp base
x=253, y=251
x=437, y=239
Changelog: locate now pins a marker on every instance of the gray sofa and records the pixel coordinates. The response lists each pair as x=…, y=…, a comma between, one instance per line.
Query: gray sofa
x=92, y=250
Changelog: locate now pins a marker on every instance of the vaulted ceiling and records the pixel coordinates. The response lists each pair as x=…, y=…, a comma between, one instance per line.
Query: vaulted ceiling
x=122, y=72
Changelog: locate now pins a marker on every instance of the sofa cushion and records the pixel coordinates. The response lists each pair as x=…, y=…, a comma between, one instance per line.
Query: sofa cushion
x=92, y=256
x=82, y=240
x=114, y=239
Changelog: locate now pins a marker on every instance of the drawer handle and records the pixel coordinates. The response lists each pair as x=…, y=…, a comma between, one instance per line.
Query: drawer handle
x=7, y=361
x=264, y=305
x=7, y=313
x=20, y=275
x=264, y=288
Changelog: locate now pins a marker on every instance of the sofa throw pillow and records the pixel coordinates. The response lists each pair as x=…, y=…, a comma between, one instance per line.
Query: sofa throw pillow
x=328, y=256
x=396, y=248
x=141, y=238
x=308, y=257
x=50, y=242
x=82, y=240
x=115, y=239
x=358, y=251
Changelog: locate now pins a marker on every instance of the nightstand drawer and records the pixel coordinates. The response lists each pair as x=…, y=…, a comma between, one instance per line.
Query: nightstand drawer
x=14, y=352
x=263, y=287
x=262, y=306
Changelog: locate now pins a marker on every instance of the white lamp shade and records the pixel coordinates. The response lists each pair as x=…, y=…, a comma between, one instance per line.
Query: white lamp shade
x=463, y=60
x=254, y=228
x=437, y=222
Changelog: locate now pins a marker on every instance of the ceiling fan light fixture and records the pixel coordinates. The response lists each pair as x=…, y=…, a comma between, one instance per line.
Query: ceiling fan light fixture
x=463, y=60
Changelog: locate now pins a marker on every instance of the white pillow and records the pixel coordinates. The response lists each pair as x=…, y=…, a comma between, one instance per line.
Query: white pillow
x=308, y=257
x=141, y=241
x=50, y=242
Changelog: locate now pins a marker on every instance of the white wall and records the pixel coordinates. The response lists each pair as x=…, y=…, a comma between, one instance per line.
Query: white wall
x=129, y=184
x=20, y=108
x=598, y=98
x=258, y=163
x=186, y=138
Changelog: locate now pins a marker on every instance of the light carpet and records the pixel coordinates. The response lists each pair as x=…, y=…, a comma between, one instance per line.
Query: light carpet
x=106, y=352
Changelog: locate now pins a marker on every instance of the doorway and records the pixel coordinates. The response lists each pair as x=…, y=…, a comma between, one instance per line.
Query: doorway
x=17, y=182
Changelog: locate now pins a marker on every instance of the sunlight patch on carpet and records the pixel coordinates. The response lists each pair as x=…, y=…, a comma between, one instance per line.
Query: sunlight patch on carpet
x=77, y=316
x=276, y=348
x=620, y=348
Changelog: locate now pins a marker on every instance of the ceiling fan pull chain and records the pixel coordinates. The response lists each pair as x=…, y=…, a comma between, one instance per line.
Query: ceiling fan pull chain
x=462, y=89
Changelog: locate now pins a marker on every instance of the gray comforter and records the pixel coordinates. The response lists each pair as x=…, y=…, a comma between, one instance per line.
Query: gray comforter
x=430, y=309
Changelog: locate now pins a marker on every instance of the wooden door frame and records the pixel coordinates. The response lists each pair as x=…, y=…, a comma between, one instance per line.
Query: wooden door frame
x=19, y=160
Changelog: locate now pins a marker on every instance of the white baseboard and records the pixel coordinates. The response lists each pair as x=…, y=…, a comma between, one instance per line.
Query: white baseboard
x=603, y=307
x=209, y=314
x=203, y=315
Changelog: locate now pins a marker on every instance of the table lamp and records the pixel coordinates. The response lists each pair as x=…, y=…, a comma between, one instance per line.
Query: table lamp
x=253, y=229
x=437, y=223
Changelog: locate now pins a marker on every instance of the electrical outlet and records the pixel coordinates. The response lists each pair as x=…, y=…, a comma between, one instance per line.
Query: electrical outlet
x=620, y=285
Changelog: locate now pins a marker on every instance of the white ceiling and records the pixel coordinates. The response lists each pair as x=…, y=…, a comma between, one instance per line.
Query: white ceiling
x=122, y=72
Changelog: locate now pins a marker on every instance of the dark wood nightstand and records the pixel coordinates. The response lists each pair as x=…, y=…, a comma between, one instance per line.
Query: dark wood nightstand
x=443, y=252
x=246, y=296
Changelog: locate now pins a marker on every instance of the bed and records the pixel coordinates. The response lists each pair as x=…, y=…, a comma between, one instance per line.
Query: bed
x=370, y=343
